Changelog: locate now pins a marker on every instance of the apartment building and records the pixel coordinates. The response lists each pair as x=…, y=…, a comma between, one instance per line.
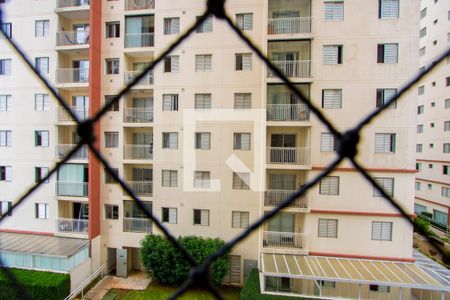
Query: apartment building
x=211, y=140
x=433, y=118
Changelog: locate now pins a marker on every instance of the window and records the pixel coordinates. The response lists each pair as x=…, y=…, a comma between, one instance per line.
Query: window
x=440, y=216
x=41, y=102
x=201, y=217
x=379, y=288
x=387, y=183
x=5, y=173
x=430, y=166
x=384, y=95
x=327, y=284
x=244, y=21
x=241, y=141
x=111, y=212
x=422, y=51
x=5, y=102
x=241, y=181
x=419, y=128
x=5, y=206
x=327, y=142
x=387, y=53
x=5, y=67
x=447, y=103
x=418, y=167
x=239, y=219
x=41, y=65
x=446, y=169
x=169, y=215
x=388, y=9
x=6, y=28
x=334, y=10
x=447, y=81
x=171, y=25
x=242, y=101
x=40, y=173
x=423, y=32
x=112, y=29
x=41, y=28
x=420, y=109
x=421, y=90
x=446, y=125
x=384, y=142
x=201, y=179
x=328, y=228
x=202, y=140
x=5, y=138
x=42, y=211
x=171, y=64
x=206, y=26
x=419, y=148
x=169, y=178
x=243, y=61
x=423, y=13
x=112, y=66
x=202, y=101
x=332, y=54
x=111, y=139
x=332, y=98
x=433, y=83
x=170, y=102
x=109, y=179
x=446, y=147
x=418, y=186
x=381, y=231
x=116, y=105
x=203, y=63
x=170, y=140
x=445, y=192
x=329, y=185
x=41, y=138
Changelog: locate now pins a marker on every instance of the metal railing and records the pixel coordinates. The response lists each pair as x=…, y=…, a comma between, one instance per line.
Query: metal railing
x=138, y=40
x=287, y=112
x=63, y=149
x=141, y=188
x=276, y=197
x=288, y=155
x=82, y=113
x=433, y=223
x=293, y=69
x=146, y=80
x=71, y=3
x=139, y=4
x=72, y=225
x=84, y=284
x=72, y=189
x=137, y=115
x=72, y=75
x=137, y=152
x=289, y=25
x=137, y=225
x=72, y=38
x=284, y=240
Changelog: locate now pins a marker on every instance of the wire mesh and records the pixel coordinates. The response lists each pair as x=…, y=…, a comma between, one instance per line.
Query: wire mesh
x=199, y=274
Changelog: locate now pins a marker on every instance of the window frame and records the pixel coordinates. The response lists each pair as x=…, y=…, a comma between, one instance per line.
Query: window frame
x=382, y=233
x=41, y=138
x=112, y=137
x=237, y=141
x=111, y=211
x=38, y=211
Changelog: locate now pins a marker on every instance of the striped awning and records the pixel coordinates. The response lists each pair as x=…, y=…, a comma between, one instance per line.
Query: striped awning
x=389, y=273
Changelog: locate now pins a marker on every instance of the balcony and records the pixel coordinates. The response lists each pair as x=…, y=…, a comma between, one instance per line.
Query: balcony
x=137, y=152
x=72, y=76
x=137, y=115
x=131, y=5
x=288, y=155
x=147, y=80
x=292, y=69
x=141, y=188
x=137, y=225
x=139, y=40
x=272, y=239
x=63, y=149
x=72, y=3
x=287, y=112
x=72, y=189
x=289, y=25
x=73, y=9
x=276, y=197
x=72, y=225
x=82, y=113
x=72, y=39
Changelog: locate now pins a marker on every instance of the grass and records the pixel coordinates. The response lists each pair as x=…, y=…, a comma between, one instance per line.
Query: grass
x=159, y=292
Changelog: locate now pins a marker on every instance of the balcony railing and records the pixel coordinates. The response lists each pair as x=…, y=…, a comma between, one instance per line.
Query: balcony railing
x=137, y=40
x=141, y=188
x=287, y=112
x=288, y=155
x=137, y=115
x=63, y=149
x=72, y=75
x=146, y=80
x=71, y=3
x=289, y=25
x=276, y=197
x=137, y=152
x=72, y=225
x=82, y=112
x=296, y=68
x=139, y=4
x=72, y=38
x=137, y=225
x=72, y=189
x=284, y=239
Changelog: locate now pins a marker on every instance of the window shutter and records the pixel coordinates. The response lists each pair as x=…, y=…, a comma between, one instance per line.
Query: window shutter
x=208, y=25
x=248, y=21
x=236, y=219
x=175, y=25
x=44, y=138
x=8, y=138
x=326, y=142
x=172, y=215
x=386, y=231
x=166, y=178
x=175, y=61
x=39, y=28
x=46, y=27
x=384, y=142
x=247, y=62
x=332, y=99
x=389, y=9
x=330, y=55
x=45, y=102
x=208, y=62
x=7, y=65
x=173, y=140
x=390, y=53
x=245, y=219
x=334, y=11
x=204, y=215
x=8, y=173
x=329, y=185
x=41, y=210
x=204, y=140
x=323, y=228
x=376, y=230
x=245, y=141
x=167, y=102
x=386, y=183
x=199, y=63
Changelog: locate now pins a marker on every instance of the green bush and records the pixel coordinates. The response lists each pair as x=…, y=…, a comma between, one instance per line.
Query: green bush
x=39, y=285
x=165, y=263
x=427, y=214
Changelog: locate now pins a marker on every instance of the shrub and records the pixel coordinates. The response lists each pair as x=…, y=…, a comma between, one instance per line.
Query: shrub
x=427, y=214
x=39, y=285
x=163, y=262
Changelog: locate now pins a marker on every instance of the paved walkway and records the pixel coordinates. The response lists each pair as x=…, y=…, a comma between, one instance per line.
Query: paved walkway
x=135, y=281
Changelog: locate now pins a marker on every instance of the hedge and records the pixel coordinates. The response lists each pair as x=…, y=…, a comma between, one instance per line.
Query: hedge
x=39, y=285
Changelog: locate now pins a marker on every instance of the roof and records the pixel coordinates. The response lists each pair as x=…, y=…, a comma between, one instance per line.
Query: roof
x=41, y=244
x=440, y=273
x=362, y=271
